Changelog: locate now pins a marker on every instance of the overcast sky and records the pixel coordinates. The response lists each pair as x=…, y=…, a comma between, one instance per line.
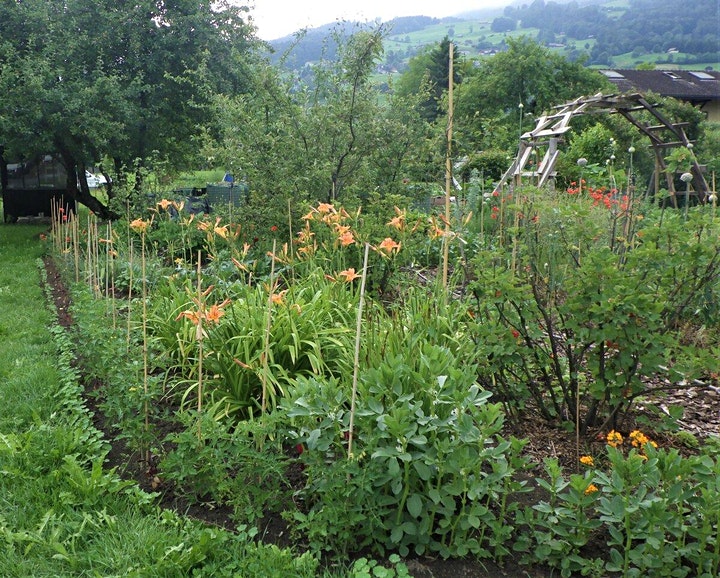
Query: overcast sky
x=277, y=18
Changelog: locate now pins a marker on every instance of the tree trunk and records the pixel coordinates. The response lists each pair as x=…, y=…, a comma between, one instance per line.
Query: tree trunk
x=76, y=176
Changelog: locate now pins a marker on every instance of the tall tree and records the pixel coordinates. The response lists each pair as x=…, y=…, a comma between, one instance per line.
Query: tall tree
x=526, y=80
x=98, y=79
x=429, y=73
x=323, y=135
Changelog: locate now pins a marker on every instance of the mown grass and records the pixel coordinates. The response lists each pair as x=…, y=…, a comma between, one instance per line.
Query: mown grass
x=61, y=512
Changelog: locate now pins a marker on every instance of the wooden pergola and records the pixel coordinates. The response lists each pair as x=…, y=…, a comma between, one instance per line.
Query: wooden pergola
x=550, y=128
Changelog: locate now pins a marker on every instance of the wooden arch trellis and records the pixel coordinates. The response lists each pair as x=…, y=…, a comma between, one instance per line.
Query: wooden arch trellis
x=549, y=129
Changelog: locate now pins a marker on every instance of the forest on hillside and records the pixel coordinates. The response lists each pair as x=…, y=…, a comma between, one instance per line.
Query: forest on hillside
x=598, y=29
x=647, y=26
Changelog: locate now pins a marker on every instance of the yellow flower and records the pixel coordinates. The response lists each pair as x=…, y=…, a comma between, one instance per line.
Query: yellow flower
x=614, y=438
x=591, y=489
x=348, y=275
x=587, y=460
x=638, y=439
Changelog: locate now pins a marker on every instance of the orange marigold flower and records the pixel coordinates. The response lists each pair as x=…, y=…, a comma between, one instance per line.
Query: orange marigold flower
x=587, y=461
x=638, y=439
x=388, y=246
x=614, y=438
x=348, y=275
x=591, y=489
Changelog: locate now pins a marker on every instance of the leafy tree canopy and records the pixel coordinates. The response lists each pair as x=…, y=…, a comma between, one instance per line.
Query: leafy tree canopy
x=97, y=79
x=526, y=79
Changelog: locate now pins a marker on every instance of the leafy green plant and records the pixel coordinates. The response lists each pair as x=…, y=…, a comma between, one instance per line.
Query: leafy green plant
x=555, y=530
x=309, y=335
x=226, y=466
x=547, y=309
x=653, y=503
x=430, y=472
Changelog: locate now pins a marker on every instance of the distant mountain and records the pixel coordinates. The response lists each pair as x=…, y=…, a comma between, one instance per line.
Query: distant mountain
x=618, y=33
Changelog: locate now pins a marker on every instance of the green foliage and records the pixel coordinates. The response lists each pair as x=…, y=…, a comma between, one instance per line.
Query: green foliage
x=212, y=462
x=364, y=568
x=555, y=531
x=657, y=508
x=526, y=73
x=429, y=471
x=553, y=317
x=145, y=87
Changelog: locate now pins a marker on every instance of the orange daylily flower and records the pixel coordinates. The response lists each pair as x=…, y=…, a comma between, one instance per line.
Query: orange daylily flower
x=388, y=246
x=164, y=204
x=139, y=226
x=278, y=298
x=349, y=275
x=346, y=239
x=193, y=316
x=398, y=221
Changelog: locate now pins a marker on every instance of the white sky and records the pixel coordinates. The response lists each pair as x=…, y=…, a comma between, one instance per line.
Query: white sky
x=277, y=18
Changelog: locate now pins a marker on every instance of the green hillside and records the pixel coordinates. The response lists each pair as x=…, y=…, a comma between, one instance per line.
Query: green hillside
x=613, y=33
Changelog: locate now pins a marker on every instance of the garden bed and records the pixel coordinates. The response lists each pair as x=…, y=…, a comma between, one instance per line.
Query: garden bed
x=545, y=440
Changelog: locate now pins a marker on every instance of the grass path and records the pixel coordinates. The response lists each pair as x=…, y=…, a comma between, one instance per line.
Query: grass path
x=61, y=512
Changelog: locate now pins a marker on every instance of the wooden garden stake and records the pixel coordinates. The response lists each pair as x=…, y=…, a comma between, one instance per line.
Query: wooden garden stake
x=76, y=246
x=448, y=172
x=199, y=337
x=146, y=406
x=356, y=360
x=266, y=339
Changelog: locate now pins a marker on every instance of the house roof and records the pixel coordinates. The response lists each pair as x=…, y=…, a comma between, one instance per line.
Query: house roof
x=688, y=85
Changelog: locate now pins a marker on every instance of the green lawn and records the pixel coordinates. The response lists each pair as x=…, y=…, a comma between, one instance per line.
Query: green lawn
x=61, y=512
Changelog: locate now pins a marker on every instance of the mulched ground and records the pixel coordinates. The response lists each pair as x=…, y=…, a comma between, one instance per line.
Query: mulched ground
x=701, y=418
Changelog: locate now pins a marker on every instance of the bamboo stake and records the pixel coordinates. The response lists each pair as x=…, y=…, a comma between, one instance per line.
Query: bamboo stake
x=130, y=286
x=266, y=339
x=199, y=337
x=146, y=406
x=76, y=246
x=448, y=171
x=356, y=360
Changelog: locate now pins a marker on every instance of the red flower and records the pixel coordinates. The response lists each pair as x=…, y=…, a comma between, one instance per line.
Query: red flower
x=515, y=333
x=274, y=229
